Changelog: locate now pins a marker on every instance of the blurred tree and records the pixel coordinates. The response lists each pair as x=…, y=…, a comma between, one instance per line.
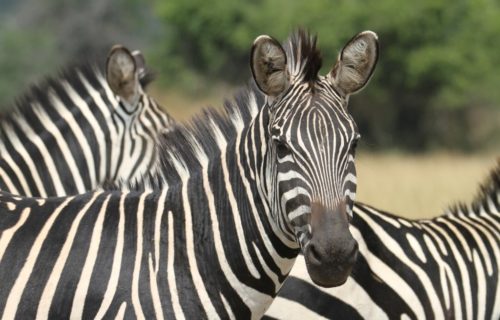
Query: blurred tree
x=38, y=37
x=18, y=71
x=435, y=83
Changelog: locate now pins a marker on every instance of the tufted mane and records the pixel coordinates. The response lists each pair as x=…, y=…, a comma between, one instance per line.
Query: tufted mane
x=185, y=144
x=489, y=190
x=304, y=58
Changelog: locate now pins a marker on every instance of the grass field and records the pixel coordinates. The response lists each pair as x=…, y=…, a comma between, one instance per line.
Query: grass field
x=420, y=186
x=410, y=185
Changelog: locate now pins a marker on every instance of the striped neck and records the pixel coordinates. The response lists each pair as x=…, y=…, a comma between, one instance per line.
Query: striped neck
x=72, y=133
x=216, y=174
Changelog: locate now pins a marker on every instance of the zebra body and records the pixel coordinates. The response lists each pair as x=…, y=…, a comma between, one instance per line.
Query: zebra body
x=441, y=268
x=216, y=232
x=109, y=258
x=77, y=131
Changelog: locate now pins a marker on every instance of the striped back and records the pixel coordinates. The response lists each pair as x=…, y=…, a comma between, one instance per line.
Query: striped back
x=73, y=132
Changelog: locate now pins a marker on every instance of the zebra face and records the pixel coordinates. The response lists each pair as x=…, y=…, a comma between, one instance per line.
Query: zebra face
x=312, y=140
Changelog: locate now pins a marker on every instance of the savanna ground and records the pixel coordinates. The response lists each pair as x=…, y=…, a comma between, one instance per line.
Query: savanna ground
x=410, y=185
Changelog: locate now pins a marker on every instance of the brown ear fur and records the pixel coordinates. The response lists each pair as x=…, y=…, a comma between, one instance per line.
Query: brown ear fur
x=356, y=63
x=121, y=73
x=268, y=64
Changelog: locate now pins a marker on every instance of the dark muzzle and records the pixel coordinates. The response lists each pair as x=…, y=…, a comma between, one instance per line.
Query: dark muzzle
x=332, y=251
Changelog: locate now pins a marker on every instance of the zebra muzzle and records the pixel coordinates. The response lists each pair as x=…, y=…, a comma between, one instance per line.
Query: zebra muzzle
x=332, y=251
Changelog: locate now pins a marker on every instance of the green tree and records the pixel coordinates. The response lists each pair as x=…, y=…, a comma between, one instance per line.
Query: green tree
x=435, y=83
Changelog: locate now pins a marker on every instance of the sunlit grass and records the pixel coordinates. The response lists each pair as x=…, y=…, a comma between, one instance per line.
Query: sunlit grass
x=182, y=105
x=414, y=186
x=420, y=186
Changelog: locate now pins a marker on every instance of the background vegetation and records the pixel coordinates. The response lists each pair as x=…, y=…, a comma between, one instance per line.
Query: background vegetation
x=438, y=74
x=436, y=87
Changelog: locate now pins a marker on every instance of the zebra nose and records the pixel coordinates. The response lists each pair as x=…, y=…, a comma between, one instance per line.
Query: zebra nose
x=345, y=254
x=330, y=268
x=332, y=251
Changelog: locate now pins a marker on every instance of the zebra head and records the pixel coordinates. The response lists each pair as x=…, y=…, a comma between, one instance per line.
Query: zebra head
x=312, y=140
x=138, y=118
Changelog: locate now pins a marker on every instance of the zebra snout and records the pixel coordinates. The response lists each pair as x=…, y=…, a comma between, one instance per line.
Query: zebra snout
x=330, y=267
x=332, y=250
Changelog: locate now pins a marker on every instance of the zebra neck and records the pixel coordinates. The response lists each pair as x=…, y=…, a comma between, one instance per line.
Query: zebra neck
x=219, y=202
x=133, y=146
x=58, y=121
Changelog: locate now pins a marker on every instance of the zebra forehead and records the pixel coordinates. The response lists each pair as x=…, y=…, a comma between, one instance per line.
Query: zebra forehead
x=316, y=117
x=310, y=97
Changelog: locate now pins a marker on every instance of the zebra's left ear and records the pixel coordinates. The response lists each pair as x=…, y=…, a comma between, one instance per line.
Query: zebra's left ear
x=355, y=64
x=122, y=74
x=268, y=64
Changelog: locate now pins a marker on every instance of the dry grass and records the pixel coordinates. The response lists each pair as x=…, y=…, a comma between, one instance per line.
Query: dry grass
x=414, y=186
x=420, y=186
x=182, y=106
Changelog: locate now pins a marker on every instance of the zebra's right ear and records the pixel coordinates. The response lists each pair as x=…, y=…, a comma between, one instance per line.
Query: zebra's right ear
x=268, y=64
x=122, y=74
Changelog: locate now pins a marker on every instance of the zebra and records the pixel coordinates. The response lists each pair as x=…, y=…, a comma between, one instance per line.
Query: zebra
x=441, y=268
x=238, y=194
x=85, y=127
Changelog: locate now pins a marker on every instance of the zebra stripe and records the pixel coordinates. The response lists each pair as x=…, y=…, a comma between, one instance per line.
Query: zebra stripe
x=206, y=241
x=442, y=268
x=74, y=132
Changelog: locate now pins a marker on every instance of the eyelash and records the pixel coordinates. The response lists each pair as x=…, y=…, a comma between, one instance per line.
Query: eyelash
x=354, y=144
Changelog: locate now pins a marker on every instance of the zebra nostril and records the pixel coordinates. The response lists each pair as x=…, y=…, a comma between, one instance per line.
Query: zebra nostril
x=355, y=247
x=353, y=254
x=314, y=254
x=349, y=217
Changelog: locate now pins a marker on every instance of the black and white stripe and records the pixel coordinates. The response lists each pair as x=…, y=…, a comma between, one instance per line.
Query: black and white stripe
x=74, y=132
x=211, y=240
x=442, y=268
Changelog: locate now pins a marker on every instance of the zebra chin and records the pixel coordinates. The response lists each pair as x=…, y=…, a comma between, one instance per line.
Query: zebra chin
x=331, y=252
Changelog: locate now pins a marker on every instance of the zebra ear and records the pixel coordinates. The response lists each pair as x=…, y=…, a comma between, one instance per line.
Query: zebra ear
x=355, y=63
x=140, y=63
x=122, y=73
x=268, y=64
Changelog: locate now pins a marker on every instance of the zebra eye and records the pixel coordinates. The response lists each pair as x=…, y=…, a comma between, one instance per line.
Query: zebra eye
x=282, y=148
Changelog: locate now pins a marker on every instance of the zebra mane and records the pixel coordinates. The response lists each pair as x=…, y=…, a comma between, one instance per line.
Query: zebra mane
x=304, y=58
x=198, y=139
x=93, y=70
x=489, y=190
x=186, y=144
